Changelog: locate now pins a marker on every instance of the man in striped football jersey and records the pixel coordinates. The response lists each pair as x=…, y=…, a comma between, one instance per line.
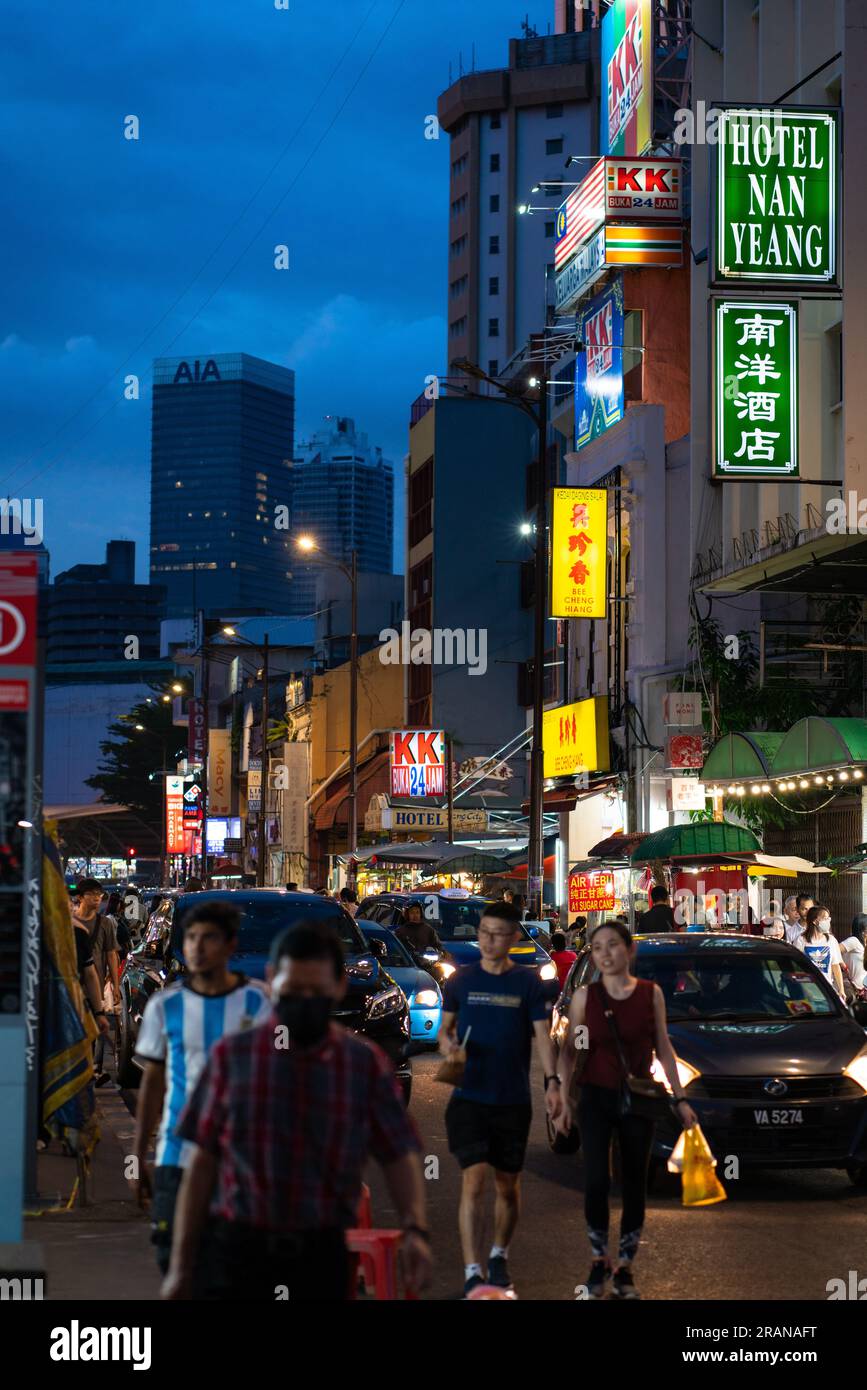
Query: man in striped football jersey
x=179, y=1026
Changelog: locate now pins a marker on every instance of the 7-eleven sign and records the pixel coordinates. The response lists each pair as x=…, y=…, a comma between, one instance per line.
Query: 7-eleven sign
x=418, y=762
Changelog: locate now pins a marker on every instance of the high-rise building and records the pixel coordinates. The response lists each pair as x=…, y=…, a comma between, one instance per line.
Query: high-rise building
x=512, y=131
x=221, y=451
x=343, y=495
x=93, y=610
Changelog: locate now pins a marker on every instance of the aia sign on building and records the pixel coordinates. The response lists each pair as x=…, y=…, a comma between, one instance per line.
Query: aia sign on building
x=418, y=762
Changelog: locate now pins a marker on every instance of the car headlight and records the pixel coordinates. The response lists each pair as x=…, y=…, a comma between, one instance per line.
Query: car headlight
x=447, y=969
x=685, y=1073
x=548, y=971
x=857, y=1069
x=387, y=1003
x=427, y=998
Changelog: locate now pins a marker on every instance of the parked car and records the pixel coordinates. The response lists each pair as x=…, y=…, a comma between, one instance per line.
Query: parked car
x=455, y=915
x=374, y=1004
x=421, y=989
x=769, y=1058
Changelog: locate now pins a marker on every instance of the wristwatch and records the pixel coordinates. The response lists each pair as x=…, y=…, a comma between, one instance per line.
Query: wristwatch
x=552, y=1078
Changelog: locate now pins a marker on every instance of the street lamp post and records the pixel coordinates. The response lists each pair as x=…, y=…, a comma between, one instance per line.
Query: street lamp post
x=308, y=544
x=262, y=843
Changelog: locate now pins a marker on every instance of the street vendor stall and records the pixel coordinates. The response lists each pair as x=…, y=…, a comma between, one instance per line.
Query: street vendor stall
x=603, y=885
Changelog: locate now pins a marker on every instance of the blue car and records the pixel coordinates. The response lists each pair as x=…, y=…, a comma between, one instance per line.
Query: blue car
x=421, y=990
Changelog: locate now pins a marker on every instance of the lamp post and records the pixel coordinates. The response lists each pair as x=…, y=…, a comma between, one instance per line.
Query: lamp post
x=309, y=545
x=539, y=416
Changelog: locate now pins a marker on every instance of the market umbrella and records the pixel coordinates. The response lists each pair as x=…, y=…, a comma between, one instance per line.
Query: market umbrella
x=463, y=859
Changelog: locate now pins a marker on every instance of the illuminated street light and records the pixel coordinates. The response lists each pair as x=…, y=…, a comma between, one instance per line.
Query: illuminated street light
x=306, y=543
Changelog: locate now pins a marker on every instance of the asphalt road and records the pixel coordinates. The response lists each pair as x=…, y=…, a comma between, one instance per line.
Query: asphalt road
x=781, y=1235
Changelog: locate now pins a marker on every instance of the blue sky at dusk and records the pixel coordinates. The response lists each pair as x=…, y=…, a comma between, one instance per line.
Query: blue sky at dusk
x=258, y=126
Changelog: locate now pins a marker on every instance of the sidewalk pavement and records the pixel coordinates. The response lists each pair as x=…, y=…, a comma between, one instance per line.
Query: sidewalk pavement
x=101, y=1251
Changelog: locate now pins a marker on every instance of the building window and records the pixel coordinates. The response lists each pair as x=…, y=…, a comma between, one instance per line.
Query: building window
x=495, y=122
x=493, y=328
x=494, y=284
x=554, y=110
x=493, y=367
x=495, y=202
x=549, y=228
x=554, y=146
x=494, y=246
x=458, y=327
x=495, y=163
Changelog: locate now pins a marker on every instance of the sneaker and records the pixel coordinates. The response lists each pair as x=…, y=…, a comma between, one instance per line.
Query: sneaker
x=600, y=1273
x=498, y=1272
x=623, y=1284
x=473, y=1283
x=102, y=1078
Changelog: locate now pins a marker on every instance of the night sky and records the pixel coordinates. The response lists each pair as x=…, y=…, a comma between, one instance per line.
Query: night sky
x=258, y=126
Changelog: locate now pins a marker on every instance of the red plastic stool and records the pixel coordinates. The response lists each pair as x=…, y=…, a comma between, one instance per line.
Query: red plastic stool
x=377, y=1251
x=364, y=1214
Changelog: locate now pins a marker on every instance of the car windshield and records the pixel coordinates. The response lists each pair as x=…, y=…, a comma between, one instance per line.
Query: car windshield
x=395, y=953
x=736, y=986
x=456, y=919
x=264, y=918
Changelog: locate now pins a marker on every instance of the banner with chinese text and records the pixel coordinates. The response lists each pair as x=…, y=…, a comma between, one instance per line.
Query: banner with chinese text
x=579, y=567
x=591, y=892
x=755, y=374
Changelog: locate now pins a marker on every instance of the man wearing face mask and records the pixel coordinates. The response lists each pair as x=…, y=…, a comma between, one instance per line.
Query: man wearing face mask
x=283, y=1121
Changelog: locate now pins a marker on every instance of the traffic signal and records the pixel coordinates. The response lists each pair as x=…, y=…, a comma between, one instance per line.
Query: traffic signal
x=130, y=854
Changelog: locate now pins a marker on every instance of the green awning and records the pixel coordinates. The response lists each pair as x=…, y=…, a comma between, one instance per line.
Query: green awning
x=816, y=744
x=700, y=840
x=737, y=757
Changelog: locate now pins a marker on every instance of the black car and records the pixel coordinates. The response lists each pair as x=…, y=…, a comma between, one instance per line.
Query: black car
x=769, y=1058
x=374, y=1005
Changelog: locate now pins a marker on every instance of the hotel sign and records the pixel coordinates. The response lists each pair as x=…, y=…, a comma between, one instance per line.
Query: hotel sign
x=777, y=197
x=755, y=374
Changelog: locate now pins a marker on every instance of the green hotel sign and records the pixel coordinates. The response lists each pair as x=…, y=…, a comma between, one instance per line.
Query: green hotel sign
x=755, y=372
x=777, y=197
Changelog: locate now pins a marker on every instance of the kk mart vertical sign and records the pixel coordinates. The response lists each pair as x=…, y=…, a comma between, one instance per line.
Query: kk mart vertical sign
x=579, y=552
x=777, y=198
x=626, y=118
x=755, y=372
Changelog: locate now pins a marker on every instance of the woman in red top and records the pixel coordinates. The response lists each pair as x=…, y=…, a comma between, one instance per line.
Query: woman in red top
x=638, y=1009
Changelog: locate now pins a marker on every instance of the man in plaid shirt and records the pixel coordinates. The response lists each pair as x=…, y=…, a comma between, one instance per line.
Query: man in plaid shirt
x=284, y=1118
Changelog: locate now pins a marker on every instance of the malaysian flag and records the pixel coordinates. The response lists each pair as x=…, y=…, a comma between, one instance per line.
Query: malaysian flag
x=582, y=212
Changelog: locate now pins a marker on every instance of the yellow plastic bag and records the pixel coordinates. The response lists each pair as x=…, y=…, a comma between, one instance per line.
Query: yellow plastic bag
x=701, y=1186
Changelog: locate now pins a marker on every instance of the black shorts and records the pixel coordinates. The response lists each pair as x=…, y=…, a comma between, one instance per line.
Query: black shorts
x=495, y=1134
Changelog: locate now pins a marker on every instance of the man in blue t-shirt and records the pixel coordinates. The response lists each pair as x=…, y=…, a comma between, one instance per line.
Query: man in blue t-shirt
x=488, y=1117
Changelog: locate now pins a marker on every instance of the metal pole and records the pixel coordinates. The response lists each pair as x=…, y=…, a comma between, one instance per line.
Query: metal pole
x=206, y=676
x=450, y=788
x=536, y=847
x=263, y=832
x=353, y=711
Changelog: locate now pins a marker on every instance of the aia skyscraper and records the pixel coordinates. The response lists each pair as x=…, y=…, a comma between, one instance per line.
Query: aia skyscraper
x=222, y=440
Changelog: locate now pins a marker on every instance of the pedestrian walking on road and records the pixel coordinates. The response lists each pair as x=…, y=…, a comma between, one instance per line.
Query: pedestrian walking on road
x=282, y=1123
x=179, y=1026
x=853, y=951
x=562, y=958
x=349, y=901
x=792, y=917
x=616, y=1017
x=101, y=929
x=822, y=948
x=504, y=1006
x=660, y=917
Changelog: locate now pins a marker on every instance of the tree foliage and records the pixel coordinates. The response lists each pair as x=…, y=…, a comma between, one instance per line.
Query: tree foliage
x=131, y=754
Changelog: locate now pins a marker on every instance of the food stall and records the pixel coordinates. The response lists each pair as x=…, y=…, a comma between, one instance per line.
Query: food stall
x=603, y=885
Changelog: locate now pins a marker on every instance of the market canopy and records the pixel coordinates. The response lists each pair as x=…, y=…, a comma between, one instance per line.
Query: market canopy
x=738, y=757
x=464, y=859
x=813, y=745
x=618, y=846
x=700, y=840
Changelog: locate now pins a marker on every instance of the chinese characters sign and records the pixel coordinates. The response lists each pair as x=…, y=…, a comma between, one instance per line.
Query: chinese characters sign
x=579, y=561
x=418, y=762
x=599, y=368
x=684, y=750
x=575, y=738
x=627, y=78
x=776, y=196
x=175, y=843
x=755, y=388
x=591, y=892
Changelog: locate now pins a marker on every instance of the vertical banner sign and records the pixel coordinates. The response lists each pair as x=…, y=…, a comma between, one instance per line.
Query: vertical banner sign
x=175, y=815
x=626, y=118
x=777, y=197
x=219, y=773
x=599, y=368
x=418, y=762
x=198, y=740
x=755, y=373
x=575, y=738
x=18, y=588
x=254, y=784
x=579, y=552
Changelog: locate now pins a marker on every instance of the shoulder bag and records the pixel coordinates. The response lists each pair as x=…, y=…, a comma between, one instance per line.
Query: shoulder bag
x=638, y=1095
